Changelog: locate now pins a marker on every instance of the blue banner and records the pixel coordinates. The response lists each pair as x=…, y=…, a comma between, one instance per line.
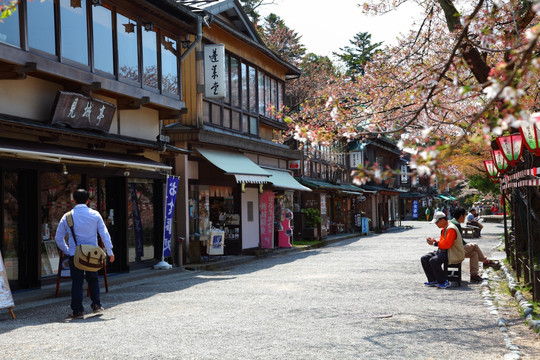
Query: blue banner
x=415, y=209
x=172, y=189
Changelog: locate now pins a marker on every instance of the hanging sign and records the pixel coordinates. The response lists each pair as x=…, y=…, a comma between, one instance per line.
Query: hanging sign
x=214, y=71
x=172, y=189
x=82, y=112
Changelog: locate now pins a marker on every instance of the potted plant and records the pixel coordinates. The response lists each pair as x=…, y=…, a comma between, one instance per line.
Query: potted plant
x=313, y=219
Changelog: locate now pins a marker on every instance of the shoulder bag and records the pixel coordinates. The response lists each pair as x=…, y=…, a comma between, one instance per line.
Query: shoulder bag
x=87, y=257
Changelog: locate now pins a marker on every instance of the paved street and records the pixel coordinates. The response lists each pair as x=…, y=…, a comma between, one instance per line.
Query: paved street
x=357, y=299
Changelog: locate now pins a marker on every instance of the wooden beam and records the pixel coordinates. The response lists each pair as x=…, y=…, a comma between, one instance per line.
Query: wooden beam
x=16, y=72
x=169, y=114
x=131, y=103
x=84, y=89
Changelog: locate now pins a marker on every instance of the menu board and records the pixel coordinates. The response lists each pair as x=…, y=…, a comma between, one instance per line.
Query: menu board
x=6, y=298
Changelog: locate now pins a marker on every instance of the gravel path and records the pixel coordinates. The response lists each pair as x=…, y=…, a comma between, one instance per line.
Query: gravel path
x=362, y=298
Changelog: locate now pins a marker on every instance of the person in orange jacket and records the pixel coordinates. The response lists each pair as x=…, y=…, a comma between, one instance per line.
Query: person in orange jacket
x=449, y=250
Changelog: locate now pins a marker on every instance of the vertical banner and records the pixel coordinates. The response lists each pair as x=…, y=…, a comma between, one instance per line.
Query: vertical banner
x=137, y=224
x=415, y=209
x=172, y=189
x=214, y=71
x=266, y=212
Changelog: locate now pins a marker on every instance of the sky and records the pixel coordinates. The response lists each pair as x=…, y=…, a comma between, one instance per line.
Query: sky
x=325, y=26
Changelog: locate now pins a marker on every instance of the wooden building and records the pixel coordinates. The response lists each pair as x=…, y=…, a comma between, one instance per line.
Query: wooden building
x=84, y=88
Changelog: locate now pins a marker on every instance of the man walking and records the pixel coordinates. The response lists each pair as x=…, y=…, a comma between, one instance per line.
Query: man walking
x=450, y=250
x=87, y=223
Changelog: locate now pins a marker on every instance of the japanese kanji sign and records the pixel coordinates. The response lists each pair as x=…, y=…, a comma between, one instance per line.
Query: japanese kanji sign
x=82, y=112
x=214, y=71
x=172, y=189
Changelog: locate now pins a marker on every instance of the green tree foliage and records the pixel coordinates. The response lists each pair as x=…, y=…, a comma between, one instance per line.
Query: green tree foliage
x=483, y=184
x=359, y=54
x=284, y=41
x=251, y=8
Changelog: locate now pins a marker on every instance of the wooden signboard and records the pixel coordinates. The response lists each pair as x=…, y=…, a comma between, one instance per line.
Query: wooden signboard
x=6, y=298
x=82, y=112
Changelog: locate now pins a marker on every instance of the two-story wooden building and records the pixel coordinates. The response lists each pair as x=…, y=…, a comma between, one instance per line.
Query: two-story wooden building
x=236, y=178
x=84, y=88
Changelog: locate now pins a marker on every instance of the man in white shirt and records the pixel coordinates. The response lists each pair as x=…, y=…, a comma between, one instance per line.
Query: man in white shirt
x=472, y=220
x=87, y=223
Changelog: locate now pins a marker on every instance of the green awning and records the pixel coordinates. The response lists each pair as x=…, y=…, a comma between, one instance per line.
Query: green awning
x=283, y=179
x=243, y=169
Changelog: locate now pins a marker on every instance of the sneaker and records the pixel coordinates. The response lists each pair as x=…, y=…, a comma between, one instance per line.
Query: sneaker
x=76, y=315
x=430, y=283
x=97, y=308
x=476, y=278
x=444, y=285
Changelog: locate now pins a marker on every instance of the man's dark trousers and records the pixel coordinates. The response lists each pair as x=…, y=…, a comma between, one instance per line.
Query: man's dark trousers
x=433, y=265
x=77, y=280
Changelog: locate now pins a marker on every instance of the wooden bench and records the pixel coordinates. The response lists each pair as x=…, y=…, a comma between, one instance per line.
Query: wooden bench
x=470, y=231
x=453, y=271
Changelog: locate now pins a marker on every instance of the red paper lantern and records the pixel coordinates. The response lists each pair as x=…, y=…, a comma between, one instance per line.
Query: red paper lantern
x=511, y=147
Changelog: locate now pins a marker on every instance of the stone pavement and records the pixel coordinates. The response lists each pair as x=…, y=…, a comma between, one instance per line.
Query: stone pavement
x=359, y=298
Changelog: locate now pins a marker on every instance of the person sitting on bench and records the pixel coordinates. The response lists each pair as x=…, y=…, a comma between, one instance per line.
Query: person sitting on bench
x=450, y=250
x=472, y=220
x=472, y=250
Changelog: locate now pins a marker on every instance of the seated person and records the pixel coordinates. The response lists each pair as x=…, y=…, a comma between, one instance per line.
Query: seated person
x=472, y=220
x=472, y=251
x=450, y=249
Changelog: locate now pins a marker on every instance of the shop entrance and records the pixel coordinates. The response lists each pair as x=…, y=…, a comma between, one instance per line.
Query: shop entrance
x=250, y=218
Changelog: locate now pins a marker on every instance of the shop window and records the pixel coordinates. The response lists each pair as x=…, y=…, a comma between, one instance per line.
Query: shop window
x=140, y=233
x=150, y=58
x=9, y=29
x=103, y=39
x=41, y=31
x=56, y=199
x=245, y=123
x=261, y=93
x=245, y=103
x=235, y=82
x=253, y=126
x=128, y=65
x=10, y=242
x=73, y=30
x=226, y=118
x=216, y=115
x=169, y=65
x=252, y=89
x=206, y=111
x=236, y=120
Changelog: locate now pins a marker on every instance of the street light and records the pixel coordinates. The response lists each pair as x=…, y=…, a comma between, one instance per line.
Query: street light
x=511, y=146
x=531, y=134
x=499, y=160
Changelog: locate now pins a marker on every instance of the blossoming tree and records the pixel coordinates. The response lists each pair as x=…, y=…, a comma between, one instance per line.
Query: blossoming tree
x=467, y=72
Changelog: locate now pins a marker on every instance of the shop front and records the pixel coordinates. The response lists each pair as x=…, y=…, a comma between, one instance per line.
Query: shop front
x=38, y=181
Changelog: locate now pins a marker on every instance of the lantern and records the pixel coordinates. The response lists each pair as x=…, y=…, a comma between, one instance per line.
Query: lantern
x=499, y=160
x=491, y=168
x=511, y=146
x=531, y=134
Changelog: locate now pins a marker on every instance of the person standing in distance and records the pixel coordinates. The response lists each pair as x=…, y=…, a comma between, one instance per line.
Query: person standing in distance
x=87, y=223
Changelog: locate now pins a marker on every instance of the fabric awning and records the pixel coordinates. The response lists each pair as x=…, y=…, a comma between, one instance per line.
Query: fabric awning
x=243, y=169
x=283, y=179
x=344, y=188
x=61, y=154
